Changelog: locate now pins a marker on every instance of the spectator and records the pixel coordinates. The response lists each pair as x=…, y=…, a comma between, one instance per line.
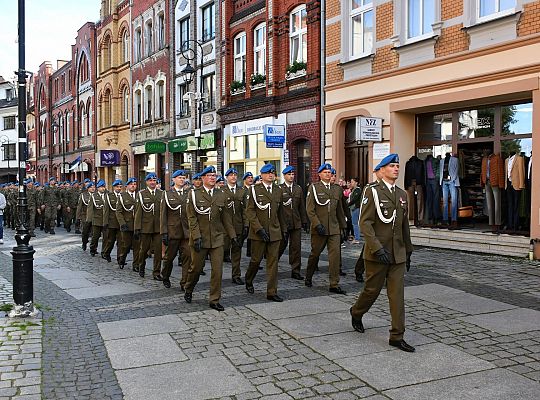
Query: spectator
x=2, y=206
x=354, y=204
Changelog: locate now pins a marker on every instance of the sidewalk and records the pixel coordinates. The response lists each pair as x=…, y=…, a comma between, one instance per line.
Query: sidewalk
x=108, y=334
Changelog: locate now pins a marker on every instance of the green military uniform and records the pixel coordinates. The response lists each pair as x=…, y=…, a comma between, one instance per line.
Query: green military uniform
x=32, y=197
x=125, y=214
x=244, y=191
x=111, y=222
x=359, y=267
x=94, y=215
x=51, y=201
x=236, y=206
x=147, y=223
x=294, y=209
x=324, y=207
x=69, y=206
x=13, y=209
x=265, y=211
x=81, y=214
x=384, y=224
x=209, y=220
x=174, y=224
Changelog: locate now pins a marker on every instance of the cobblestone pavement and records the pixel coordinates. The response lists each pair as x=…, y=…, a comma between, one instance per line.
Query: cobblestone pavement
x=108, y=334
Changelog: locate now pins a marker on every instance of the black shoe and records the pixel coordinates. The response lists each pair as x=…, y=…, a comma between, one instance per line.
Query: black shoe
x=135, y=269
x=308, y=282
x=84, y=246
x=260, y=268
x=359, y=278
x=45, y=230
x=337, y=290
x=357, y=323
x=182, y=289
x=250, y=288
x=106, y=257
x=68, y=230
x=217, y=307
x=297, y=276
x=40, y=228
x=275, y=298
x=237, y=280
x=93, y=253
x=158, y=278
x=167, y=283
x=202, y=273
x=341, y=273
x=227, y=259
x=188, y=297
x=52, y=232
x=78, y=232
x=141, y=272
x=121, y=265
x=402, y=345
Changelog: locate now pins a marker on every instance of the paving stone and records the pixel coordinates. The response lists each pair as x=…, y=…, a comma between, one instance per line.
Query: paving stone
x=428, y=291
x=497, y=384
x=113, y=289
x=73, y=283
x=508, y=322
x=141, y=327
x=299, y=307
x=469, y=303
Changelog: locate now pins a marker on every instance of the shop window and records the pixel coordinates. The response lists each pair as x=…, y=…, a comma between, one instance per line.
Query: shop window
x=437, y=150
x=240, y=57
x=361, y=25
x=208, y=22
x=476, y=123
x=298, y=35
x=492, y=8
x=260, y=49
x=516, y=119
x=420, y=17
x=517, y=146
x=434, y=127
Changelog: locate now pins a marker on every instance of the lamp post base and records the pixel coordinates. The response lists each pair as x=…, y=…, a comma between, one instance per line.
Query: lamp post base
x=27, y=310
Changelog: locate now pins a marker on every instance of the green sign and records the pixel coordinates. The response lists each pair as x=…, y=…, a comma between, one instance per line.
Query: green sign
x=208, y=141
x=155, y=147
x=178, y=145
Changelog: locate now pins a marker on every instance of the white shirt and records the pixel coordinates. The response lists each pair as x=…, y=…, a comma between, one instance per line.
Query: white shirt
x=268, y=187
x=289, y=186
x=389, y=186
x=233, y=189
x=132, y=194
x=510, y=166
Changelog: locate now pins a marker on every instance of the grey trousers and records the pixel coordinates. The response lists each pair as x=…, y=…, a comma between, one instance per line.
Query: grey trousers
x=493, y=197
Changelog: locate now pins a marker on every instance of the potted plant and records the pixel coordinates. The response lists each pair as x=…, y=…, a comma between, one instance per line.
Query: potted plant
x=257, y=80
x=297, y=68
x=237, y=87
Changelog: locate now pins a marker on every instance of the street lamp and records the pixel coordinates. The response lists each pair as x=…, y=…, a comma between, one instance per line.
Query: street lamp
x=5, y=140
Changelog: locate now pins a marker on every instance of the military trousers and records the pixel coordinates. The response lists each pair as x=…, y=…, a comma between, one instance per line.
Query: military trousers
x=150, y=241
x=359, y=267
x=295, y=249
x=258, y=250
x=68, y=218
x=96, y=234
x=376, y=275
x=86, y=231
x=332, y=243
x=50, y=217
x=112, y=237
x=126, y=244
x=236, y=257
x=31, y=219
x=197, y=265
x=181, y=248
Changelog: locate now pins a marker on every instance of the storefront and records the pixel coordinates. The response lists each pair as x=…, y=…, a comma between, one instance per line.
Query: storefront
x=109, y=166
x=150, y=157
x=185, y=150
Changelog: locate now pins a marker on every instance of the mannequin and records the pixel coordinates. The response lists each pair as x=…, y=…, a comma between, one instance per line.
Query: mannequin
x=449, y=181
x=414, y=184
x=433, y=190
x=492, y=180
x=514, y=167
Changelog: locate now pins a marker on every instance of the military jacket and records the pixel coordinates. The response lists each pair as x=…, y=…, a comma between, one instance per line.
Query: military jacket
x=109, y=215
x=265, y=210
x=96, y=209
x=147, y=211
x=125, y=209
x=173, y=214
x=384, y=222
x=82, y=206
x=73, y=198
x=235, y=204
x=209, y=218
x=31, y=194
x=51, y=197
x=325, y=206
x=294, y=206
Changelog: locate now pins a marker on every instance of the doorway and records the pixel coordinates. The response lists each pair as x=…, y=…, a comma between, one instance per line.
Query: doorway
x=303, y=149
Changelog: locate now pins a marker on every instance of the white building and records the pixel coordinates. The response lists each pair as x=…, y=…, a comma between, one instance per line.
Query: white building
x=8, y=131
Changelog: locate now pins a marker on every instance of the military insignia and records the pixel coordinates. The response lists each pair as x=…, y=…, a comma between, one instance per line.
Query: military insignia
x=247, y=196
x=381, y=205
x=365, y=201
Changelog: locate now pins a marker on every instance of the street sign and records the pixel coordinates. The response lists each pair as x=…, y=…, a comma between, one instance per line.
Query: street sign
x=369, y=129
x=274, y=136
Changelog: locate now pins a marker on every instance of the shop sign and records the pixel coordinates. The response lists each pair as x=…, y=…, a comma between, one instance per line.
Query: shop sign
x=255, y=126
x=188, y=143
x=274, y=136
x=155, y=147
x=369, y=129
x=381, y=150
x=109, y=158
x=208, y=141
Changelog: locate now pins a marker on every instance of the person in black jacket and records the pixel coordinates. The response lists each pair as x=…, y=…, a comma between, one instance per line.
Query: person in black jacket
x=415, y=178
x=354, y=206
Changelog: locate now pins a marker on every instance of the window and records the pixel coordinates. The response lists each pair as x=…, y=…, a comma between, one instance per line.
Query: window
x=161, y=31
x=9, y=151
x=184, y=33
x=209, y=92
x=148, y=93
x=160, y=97
x=55, y=131
x=259, y=39
x=420, y=17
x=9, y=122
x=240, y=57
x=107, y=109
x=9, y=94
x=208, y=22
x=138, y=44
x=476, y=123
x=63, y=83
x=490, y=7
x=149, y=38
x=138, y=107
x=125, y=108
x=125, y=46
x=43, y=132
x=361, y=27
x=107, y=53
x=184, y=110
x=298, y=35
x=68, y=133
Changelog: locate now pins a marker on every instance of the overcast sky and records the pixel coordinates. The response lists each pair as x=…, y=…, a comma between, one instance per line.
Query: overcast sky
x=51, y=27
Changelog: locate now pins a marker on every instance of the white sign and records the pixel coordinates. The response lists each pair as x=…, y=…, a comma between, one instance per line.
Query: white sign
x=286, y=157
x=369, y=129
x=255, y=126
x=381, y=150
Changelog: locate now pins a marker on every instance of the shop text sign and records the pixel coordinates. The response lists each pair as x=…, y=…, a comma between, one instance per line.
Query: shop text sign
x=109, y=157
x=155, y=147
x=274, y=136
x=369, y=129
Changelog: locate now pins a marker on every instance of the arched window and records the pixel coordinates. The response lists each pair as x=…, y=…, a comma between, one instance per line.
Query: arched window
x=137, y=107
x=107, y=53
x=240, y=57
x=84, y=73
x=148, y=98
x=82, y=121
x=160, y=100
x=125, y=104
x=138, y=44
x=125, y=46
x=68, y=125
x=298, y=34
x=107, y=109
x=161, y=31
x=88, y=117
x=149, y=38
x=259, y=49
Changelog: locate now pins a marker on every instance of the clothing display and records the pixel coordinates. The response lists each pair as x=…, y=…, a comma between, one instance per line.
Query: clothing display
x=415, y=178
x=492, y=179
x=433, y=190
x=449, y=180
x=515, y=183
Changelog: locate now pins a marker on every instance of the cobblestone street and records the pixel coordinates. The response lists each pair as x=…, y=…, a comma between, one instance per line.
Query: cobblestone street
x=106, y=333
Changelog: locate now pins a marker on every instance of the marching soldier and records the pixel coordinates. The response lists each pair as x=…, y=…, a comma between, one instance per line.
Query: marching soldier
x=209, y=222
x=111, y=226
x=235, y=204
x=325, y=210
x=39, y=201
x=388, y=249
x=146, y=226
x=32, y=197
x=81, y=190
x=267, y=229
x=50, y=205
x=125, y=213
x=247, y=180
x=197, y=181
x=174, y=228
x=81, y=214
x=296, y=218
x=69, y=204
x=94, y=215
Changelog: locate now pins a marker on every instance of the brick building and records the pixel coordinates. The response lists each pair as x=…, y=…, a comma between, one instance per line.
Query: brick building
x=270, y=75
x=113, y=91
x=42, y=112
x=31, y=128
x=445, y=76
x=150, y=86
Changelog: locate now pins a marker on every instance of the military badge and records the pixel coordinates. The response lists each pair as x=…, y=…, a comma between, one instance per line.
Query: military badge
x=365, y=201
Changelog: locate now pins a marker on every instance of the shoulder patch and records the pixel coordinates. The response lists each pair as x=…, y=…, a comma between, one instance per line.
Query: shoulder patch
x=365, y=201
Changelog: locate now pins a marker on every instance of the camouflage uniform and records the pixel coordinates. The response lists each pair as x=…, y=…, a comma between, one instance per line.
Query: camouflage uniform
x=51, y=200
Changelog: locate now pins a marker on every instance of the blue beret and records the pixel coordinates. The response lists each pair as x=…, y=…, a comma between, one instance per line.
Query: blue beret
x=158, y=180
x=86, y=180
x=46, y=184
x=324, y=167
x=247, y=175
x=287, y=169
x=131, y=180
x=268, y=168
x=208, y=170
x=89, y=184
x=52, y=178
x=75, y=181
x=196, y=176
x=231, y=171
x=149, y=176
x=333, y=170
x=178, y=172
x=100, y=183
x=257, y=178
x=117, y=182
x=389, y=159
x=37, y=184
x=220, y=179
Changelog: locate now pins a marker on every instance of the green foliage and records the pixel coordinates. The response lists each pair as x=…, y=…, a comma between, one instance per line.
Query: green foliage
x=296, y=66
x=237, y=85
x=6, y=307
x=257, y=79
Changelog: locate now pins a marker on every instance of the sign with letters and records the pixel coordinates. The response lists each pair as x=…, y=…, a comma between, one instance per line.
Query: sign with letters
x=369, y=129
x=109, y=157
x=274, y=136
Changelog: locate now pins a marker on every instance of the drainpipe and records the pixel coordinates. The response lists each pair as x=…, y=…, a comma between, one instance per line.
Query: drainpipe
x=323, y=79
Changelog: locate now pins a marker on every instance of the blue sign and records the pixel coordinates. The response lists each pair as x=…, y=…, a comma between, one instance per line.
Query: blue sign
x=274, y=136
